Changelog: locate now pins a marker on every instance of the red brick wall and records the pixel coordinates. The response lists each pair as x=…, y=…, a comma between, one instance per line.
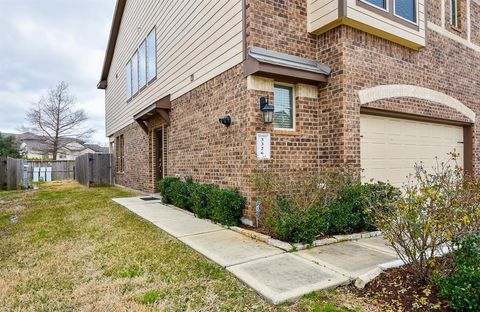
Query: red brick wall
x=327, y=128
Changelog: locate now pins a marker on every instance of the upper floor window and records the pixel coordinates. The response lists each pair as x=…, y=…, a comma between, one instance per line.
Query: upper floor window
x=142, y=65
x=378, y=3
x=406, y=9
x=141, y=69
x=454, y=12
x=135, y=73
x=398, y=10
x=152, y=55
x=284, y=107
x=128, y=75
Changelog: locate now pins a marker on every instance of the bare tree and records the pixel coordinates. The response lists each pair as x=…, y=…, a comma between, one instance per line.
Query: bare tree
x=56, y=120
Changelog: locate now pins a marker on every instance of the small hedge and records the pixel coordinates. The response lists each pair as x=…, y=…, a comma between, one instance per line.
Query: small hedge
x=224, y=206
x=348, y=211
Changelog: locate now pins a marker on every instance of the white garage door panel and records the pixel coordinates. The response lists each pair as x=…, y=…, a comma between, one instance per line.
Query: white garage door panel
x=390, y=147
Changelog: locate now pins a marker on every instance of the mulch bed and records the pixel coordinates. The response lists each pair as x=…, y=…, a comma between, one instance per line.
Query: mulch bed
x=398, y=290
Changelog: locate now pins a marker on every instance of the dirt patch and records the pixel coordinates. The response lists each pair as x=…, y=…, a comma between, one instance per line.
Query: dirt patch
x=398, y=290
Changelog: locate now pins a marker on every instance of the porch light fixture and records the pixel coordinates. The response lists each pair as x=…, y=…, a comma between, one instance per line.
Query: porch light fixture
x=266, y=109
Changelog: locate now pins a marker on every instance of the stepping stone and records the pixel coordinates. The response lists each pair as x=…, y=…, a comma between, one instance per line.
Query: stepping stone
x=229, y=248
x=286, y=277
x=378, y=243
x=347, y=258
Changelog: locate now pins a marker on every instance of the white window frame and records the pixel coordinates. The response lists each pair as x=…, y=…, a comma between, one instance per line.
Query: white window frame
x=154, y=31
x=128, y=67
x=387, y=9
x=417, y=12
x=144, y=44
x=294, y=104
x=135, y=59
x=452, y=13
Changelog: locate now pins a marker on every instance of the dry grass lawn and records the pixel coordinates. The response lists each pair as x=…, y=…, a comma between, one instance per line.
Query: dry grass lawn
x=73, y=249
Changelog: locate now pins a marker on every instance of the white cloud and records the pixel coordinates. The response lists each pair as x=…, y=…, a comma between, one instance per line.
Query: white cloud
x=45, y=42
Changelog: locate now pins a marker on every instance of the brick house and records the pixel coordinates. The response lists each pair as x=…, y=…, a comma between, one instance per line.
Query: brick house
x=380, y=84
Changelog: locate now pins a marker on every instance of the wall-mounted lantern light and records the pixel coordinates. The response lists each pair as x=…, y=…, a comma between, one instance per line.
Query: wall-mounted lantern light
x=266, y=109
x=226, y=121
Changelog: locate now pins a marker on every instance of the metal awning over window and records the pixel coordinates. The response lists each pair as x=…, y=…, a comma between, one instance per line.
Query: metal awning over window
x=283, y=66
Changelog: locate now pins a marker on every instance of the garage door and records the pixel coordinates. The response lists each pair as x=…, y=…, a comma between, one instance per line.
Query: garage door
x=390, y=147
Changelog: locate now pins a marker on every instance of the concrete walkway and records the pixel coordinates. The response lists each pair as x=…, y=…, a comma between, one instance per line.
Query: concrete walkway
x=276, y=275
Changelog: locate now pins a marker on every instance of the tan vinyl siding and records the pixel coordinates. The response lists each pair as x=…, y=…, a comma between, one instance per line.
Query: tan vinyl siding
x=321, y=13
x=200, y=38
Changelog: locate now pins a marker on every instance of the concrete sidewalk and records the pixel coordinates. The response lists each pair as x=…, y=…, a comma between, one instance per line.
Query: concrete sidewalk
x=276, y=275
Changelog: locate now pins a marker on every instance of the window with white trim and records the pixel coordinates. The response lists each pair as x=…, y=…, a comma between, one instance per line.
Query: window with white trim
x=142, y=65
x=406, y=9
x=128, y=79
x=284, y=107
x=454, y=12
x=135, y=73
x=151, y=55
x=382, y=4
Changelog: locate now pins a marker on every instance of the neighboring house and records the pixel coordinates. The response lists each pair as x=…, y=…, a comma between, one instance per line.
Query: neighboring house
x=380, y=84
x=35, y=147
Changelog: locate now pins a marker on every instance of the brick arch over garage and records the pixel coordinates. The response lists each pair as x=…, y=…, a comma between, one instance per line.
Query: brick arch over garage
x=384, y=92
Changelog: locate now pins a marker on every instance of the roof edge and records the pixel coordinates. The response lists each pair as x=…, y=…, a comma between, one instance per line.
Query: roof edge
x=112, y=41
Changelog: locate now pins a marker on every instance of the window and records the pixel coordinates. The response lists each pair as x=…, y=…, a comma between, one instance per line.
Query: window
x=151, y=55
x=128, y=75
x=406, y=9
x=454, y=12
x=120, y=154
x=142, y=65
x=378, y=3
x=284, y=111
x=135, y=73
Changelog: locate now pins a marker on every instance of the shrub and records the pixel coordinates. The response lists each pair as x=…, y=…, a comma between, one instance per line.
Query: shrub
x=164, y=187
x=200, y=205
x=438, y=207
x=181, y=193
x=300, y=205
x=293, y=224
x=350, y=211
x=226, y=205
x=462, y=286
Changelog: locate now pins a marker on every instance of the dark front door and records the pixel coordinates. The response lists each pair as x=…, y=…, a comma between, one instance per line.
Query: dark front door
x=159, y=154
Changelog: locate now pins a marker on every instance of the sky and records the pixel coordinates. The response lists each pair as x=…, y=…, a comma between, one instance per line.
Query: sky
x=43, y=42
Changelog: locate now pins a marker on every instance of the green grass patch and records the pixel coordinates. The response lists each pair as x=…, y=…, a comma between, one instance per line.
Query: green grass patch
x=73, y=248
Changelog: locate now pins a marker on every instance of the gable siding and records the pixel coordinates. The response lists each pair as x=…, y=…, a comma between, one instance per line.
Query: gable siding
x=203, y=38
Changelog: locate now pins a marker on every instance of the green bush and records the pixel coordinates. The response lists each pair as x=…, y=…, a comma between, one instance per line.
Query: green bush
x=226, y=205
x=293, y=224
x=350, y=211
x=200, y=205
x=181, y=193
x=165, y=188
x=462, y=286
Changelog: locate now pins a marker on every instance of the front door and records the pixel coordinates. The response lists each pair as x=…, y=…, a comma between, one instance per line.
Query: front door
x=159, y=170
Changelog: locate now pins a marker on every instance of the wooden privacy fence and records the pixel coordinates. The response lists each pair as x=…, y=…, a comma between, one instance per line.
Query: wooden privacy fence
x=12, y=173
x=94, y=169
x=60, y=169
